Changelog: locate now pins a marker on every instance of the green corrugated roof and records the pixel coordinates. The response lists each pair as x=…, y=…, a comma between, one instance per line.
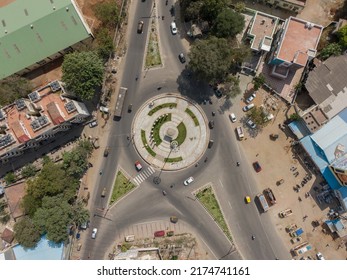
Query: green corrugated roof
x=31, y=30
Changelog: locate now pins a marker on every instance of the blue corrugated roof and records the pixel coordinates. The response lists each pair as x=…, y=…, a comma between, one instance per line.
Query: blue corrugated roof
x=316, y=154
x=299, y=129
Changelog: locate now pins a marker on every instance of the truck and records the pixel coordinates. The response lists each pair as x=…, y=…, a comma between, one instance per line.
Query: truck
x=285, y=213
x=263, y=202
x=270, y=196
x=296, y=233
x=301, y=248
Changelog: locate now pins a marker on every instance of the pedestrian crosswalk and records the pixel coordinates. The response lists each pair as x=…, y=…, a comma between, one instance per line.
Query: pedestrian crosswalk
x=143, y=175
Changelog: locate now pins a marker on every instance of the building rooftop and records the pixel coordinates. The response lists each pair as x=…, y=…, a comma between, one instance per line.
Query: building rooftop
x=32, y=30
x=262, y=30
x=298, y=2
x=314, y=119
x=14, y=195
x=27, y=118
x=300, y=40
x=327, y=85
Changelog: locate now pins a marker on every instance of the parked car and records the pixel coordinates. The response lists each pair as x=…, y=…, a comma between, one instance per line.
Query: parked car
x=251, y=124
x=218, y=92
x=296, y=239
x=256, y=166
x=93, y=124
x=248, y=107
x=188, y=181
x=140, y=27
x=138, y=165
x=250, y=98
x=211, y=124
x=159, y=233
x=320, y=256
x=232, y=117
x=173, y=28
x=84, y=225
x=94, y=232
x=182, y=58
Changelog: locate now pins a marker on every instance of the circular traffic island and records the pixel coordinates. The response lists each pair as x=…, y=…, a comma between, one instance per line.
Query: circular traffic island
x=170, y=132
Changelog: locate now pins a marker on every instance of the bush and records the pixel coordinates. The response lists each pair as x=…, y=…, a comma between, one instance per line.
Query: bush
x=10, y=178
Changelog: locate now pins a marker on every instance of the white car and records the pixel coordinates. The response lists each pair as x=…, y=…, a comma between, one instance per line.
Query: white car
x=173, y=28
x=232, y=117
x=93, y=124
x=251, y=124
x=250, y=98
x=94, y=232
x=248, y=107
x=188, y=181
x=320, y=256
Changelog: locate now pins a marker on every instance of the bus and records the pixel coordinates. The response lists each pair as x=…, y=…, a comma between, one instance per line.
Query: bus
x=120, y=102
x=239, y=132
x=263, y=202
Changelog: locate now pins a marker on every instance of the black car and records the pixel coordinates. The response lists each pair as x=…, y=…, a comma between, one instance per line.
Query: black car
x=211, y=124
x=182, y=58
x=140, y=27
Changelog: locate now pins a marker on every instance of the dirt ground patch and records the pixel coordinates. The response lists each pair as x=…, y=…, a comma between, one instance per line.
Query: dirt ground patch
x=277, y=159
x=320, y=11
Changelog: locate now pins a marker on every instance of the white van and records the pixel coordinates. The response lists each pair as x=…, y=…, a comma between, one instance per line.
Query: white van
x=239, y=132
x=248, y=107
x=232, y=117
x=173, y=28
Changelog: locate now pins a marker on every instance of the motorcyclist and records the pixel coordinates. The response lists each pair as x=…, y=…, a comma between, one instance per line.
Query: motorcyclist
x=253, y=237
x=237, y=163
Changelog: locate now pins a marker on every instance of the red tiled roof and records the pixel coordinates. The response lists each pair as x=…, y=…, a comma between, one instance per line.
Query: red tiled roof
x=7, y=235
x=54, y=113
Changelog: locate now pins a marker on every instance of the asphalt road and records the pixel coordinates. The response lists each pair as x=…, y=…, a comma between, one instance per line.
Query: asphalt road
x=147, y=203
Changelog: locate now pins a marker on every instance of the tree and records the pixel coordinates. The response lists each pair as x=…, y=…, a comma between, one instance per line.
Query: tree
x=240, y=54
x=342, y=35
x=107, y=13
x=210, y=59
x=26, y=233
x=211, y=9
x=258, y=81
x=105, y=43
x=294, y=117
x=331, y=49
x=28, y=171
x=240, y=7
x=14, y=87
x=228, y=24
x=10, y=178
x=193, y=11
x=54, y=218
x=82, y=73
x=231, y=86
x=79, y=214
x=257, y=115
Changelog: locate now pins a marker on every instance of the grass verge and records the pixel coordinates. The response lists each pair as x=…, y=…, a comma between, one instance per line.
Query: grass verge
x=182, y=133
x=145, y=144
x=191, y=114
x=208, y=199
x=176, y=159
x=153, y=54
x=121, y=187
x=156, y=128
x=165, y=105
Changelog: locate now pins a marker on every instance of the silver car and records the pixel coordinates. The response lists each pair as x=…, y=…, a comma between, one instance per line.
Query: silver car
x=94, y=232
x=188, y=181
x=251, y=124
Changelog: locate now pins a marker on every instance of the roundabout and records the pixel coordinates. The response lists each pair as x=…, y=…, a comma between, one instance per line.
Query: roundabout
x=170, y=132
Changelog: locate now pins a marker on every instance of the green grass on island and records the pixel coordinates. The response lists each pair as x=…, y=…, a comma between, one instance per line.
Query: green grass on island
x=208, y=199
x=122, y=186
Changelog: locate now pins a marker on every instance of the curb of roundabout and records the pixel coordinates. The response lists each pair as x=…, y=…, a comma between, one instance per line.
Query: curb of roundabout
x=170, y=132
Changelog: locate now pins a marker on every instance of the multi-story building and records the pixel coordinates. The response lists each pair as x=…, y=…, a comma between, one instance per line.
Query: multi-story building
x=35, y=32
x=295, y=45
x=29, y=122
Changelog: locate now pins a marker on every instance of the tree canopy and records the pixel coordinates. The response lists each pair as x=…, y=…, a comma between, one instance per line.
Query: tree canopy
x=210, y=59
x=257, y=115
x=26, y=233
x=202, y=9
x=231, y=87
x=107, y=12
x=228, y=24
x=12, y=88
x=331, y=49
x=342, y=34
x=82, y=73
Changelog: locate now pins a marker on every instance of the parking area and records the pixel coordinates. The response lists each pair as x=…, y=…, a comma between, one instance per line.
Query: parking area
x=284, y=171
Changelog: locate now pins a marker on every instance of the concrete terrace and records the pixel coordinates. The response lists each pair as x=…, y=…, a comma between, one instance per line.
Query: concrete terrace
x=300, y=40
x=261, y=31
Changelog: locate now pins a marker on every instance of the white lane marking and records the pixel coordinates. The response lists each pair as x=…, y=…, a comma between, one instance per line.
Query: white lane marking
x=221, y=183
x=230, y=205
x=209, y=249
